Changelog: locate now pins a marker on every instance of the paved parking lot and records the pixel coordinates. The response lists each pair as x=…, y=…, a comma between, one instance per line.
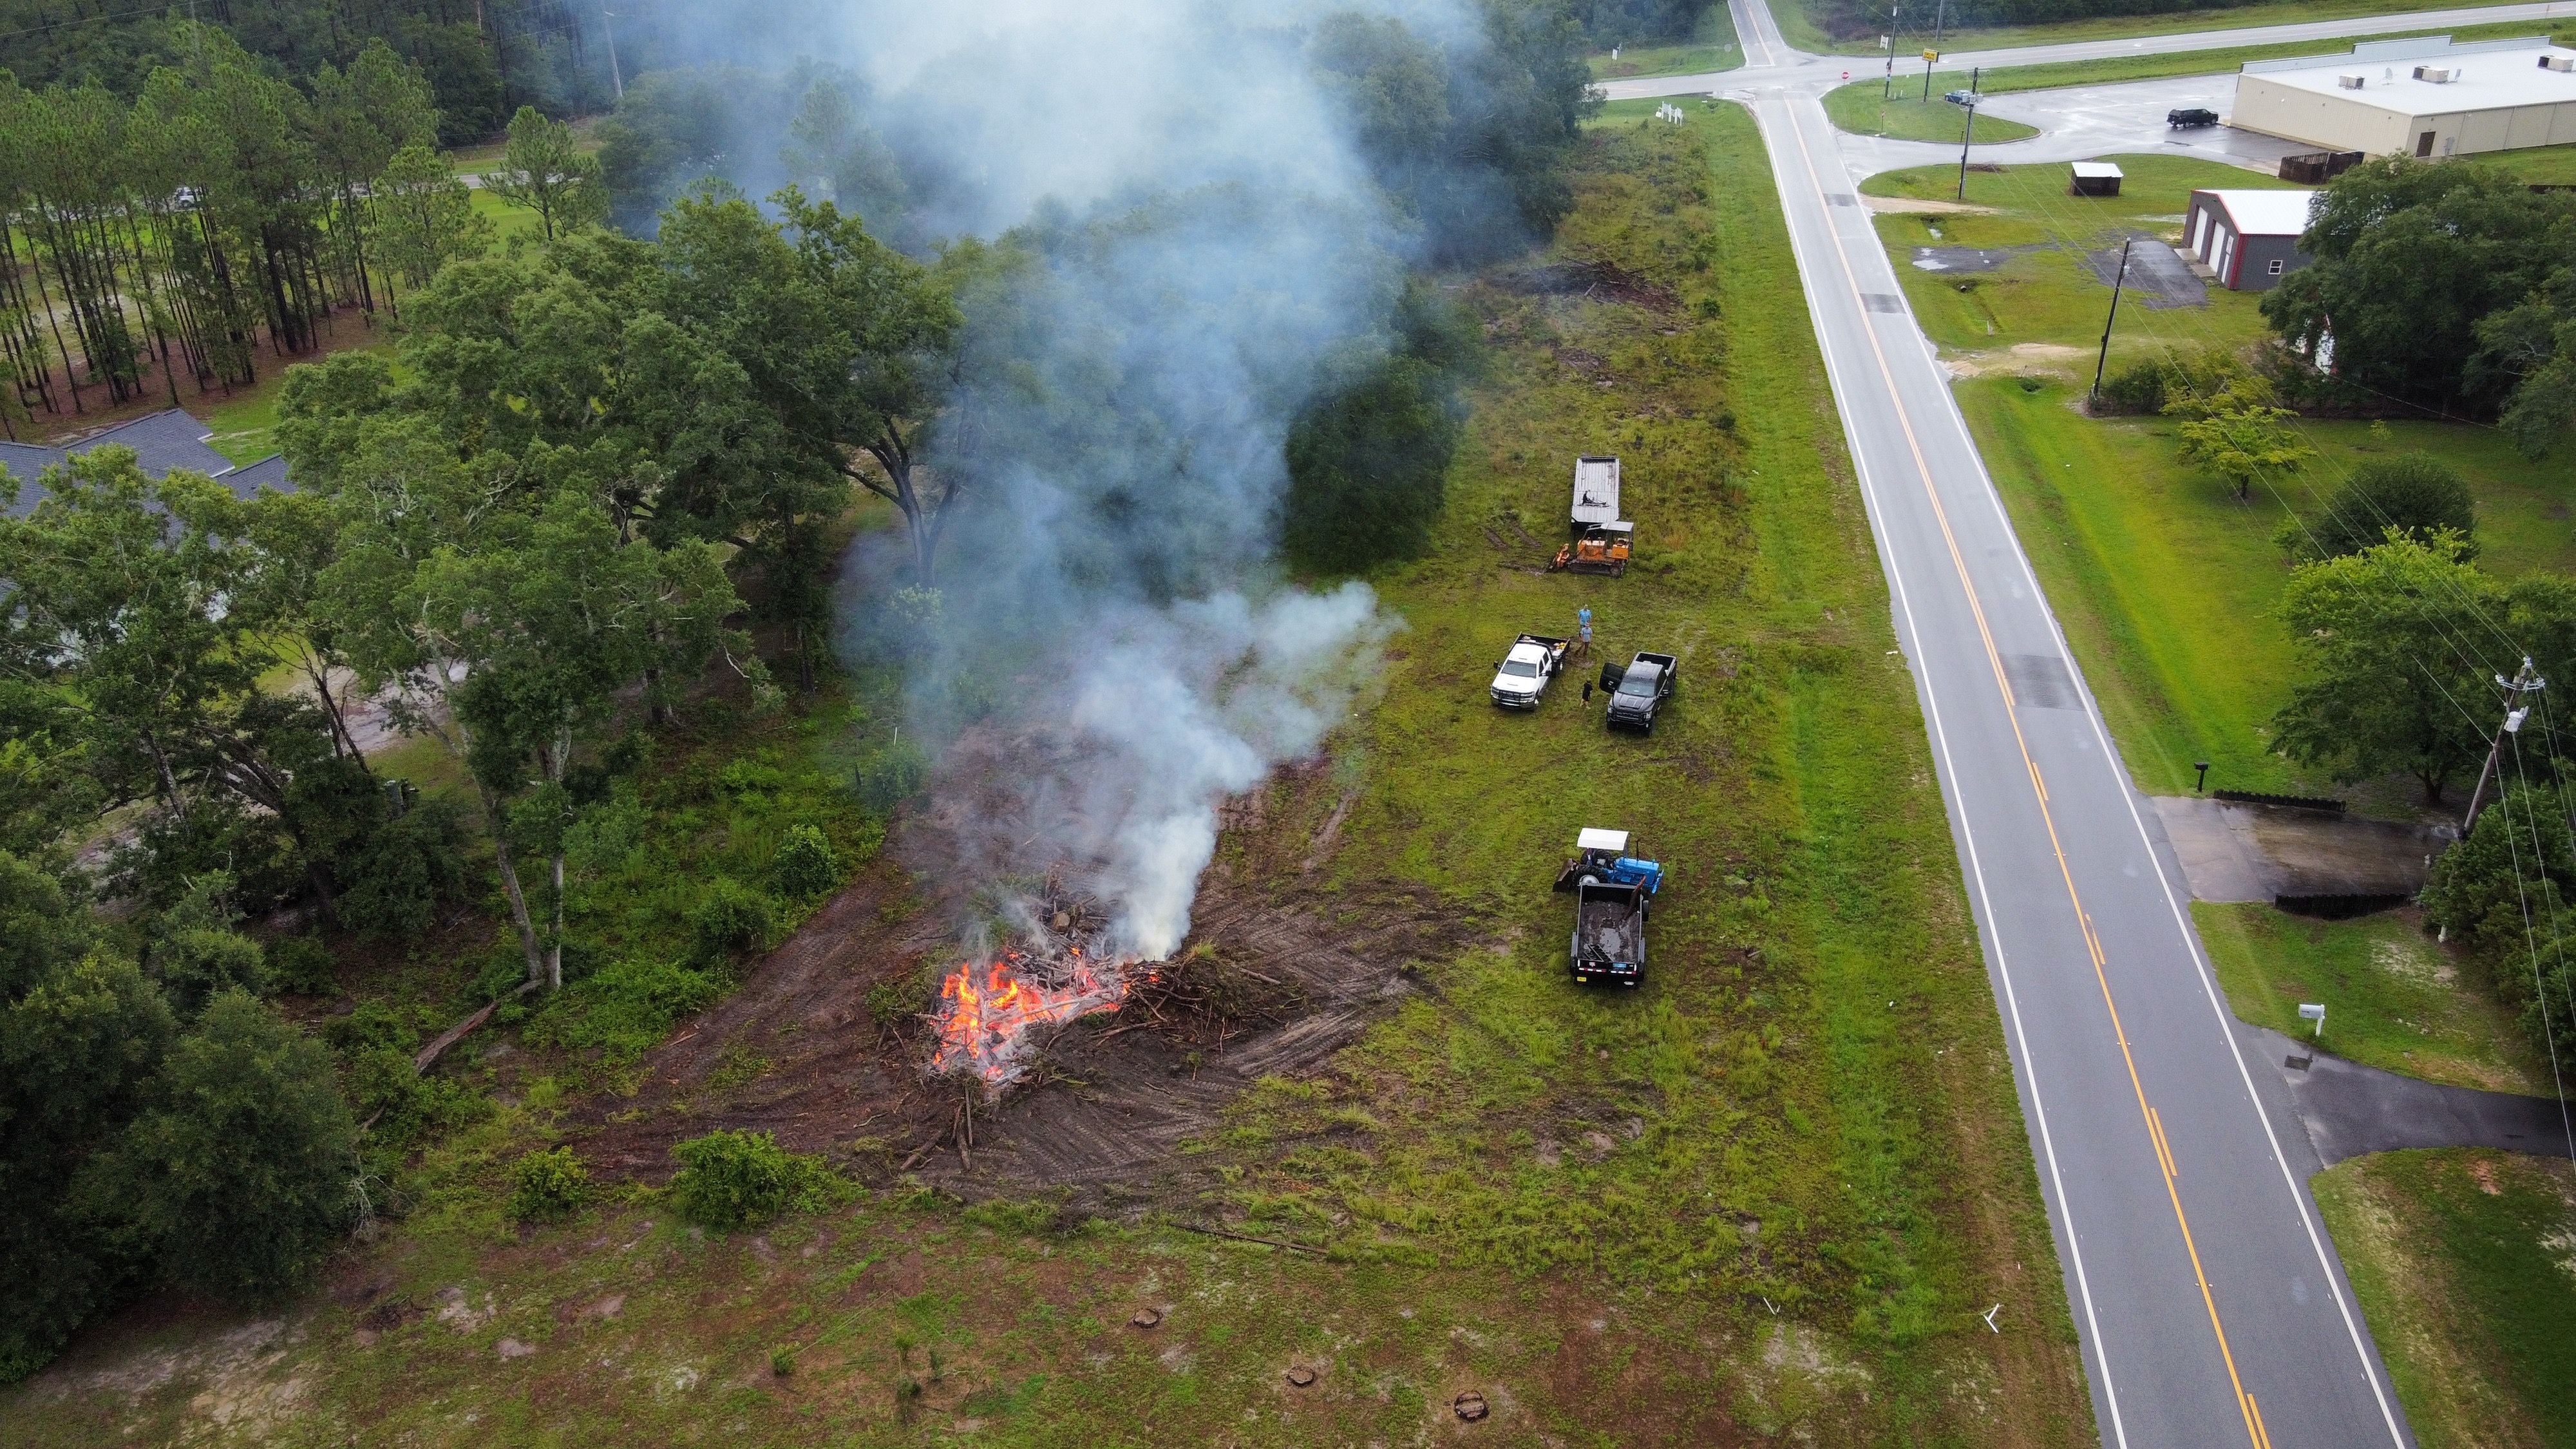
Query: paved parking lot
x=2077, y=122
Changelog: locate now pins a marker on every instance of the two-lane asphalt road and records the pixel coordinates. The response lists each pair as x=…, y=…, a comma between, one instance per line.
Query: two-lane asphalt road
x=2210, y=1305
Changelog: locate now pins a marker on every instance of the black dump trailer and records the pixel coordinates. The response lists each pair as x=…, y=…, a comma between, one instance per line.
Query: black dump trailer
x=1610, y=931
x=1612, y=890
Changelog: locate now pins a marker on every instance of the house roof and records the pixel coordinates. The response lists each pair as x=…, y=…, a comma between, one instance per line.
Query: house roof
x=162, y=441
x=2263, y=213
x=249, y=478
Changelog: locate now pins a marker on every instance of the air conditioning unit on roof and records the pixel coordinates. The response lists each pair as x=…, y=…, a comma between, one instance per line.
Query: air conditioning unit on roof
x=2558, y=62
x=2349, y=82
x=2436, y=74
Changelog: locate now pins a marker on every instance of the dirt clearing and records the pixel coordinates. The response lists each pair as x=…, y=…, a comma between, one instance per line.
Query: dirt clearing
x=1272, y=980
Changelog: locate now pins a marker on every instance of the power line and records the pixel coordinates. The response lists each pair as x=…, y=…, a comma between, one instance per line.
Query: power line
x=2548, y=895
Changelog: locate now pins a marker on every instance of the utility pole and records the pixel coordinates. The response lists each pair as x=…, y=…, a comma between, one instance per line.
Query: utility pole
x=616, y=74
x=2104, y=360
x=1940, y=11
x=2522, y=683
x=1887, y=88
x=1965, y=132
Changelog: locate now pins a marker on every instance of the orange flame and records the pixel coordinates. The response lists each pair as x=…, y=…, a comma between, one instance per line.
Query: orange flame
x=984, y=1027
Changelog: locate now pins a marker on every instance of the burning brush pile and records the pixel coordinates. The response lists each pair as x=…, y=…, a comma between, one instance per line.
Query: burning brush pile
x=994, y=1015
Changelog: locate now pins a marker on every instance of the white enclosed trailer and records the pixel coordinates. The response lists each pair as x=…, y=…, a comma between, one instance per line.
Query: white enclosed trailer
x=1596, y=492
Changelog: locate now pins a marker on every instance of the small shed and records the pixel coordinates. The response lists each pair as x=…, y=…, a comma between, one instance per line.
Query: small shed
x=2250, y=239
x=2095, y=178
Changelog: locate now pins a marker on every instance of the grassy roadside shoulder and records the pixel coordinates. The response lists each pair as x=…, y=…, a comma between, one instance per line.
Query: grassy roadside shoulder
x=2465, y=1264
x=1576, y=1203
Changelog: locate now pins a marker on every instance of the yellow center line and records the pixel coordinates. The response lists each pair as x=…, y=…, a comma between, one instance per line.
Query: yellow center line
x=2254, y=1431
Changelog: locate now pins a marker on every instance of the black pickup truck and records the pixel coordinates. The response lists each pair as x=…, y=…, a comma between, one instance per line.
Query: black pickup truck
x=2186, y=117
x=1638, y=689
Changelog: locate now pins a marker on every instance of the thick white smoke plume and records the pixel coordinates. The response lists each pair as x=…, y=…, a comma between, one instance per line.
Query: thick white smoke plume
x=1202, y=245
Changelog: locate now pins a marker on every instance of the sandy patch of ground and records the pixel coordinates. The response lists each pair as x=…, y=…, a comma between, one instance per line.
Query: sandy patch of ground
x=1911, y=206
x=2038, y=359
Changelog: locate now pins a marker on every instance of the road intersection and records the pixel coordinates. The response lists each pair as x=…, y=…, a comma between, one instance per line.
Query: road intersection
x=2211, y=1307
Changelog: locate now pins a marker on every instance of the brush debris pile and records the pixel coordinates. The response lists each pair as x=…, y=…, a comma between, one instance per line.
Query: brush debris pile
x=993, y=1014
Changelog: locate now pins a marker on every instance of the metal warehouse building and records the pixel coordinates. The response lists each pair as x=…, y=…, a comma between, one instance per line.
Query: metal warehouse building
x=2426, y=97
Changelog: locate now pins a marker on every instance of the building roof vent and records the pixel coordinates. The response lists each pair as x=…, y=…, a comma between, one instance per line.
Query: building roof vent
x=2439, y=75
x=2558, y=62
x=2349, y=82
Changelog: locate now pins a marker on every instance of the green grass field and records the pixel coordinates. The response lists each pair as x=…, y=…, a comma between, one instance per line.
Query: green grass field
x=1799, y=28
x=2394, y=997
x=2540, y=165
x=1712, y=47
x=1858, y=107
x=1765, y=1197
x=2465, y=1264
x=2166, y=584
x=2045, y=294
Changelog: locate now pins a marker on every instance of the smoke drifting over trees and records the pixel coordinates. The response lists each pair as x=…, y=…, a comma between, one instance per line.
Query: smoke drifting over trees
x=1187, y=227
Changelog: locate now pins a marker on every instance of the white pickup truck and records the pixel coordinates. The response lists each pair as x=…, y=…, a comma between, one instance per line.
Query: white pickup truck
x=1524, y=672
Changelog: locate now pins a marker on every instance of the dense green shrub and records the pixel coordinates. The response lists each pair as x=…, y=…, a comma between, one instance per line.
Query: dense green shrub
x=1626, y=22
x=1368, y=461
x=302, y=965
x=239, y=1175
x=804, y=865
x=195, y=953
x=2415, y=493
x=624, y=1010
x=730, y=917
x=2147, y=384
x=2508, y=894
x=892, y=1000
x=891, y=775
x=82, y=1034
x=549, y=1186
x=392, y=889
x=730, y=1180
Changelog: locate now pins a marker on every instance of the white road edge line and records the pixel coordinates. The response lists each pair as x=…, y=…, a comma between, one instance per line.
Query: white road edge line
x=1941, y=738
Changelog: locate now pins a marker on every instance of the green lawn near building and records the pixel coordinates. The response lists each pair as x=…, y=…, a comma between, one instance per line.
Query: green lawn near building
x=1861, y=107
x=2394, y=996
